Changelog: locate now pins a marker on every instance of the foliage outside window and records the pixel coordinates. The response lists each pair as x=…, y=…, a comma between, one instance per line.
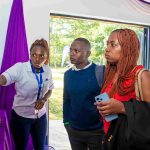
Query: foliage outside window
x=64, y=30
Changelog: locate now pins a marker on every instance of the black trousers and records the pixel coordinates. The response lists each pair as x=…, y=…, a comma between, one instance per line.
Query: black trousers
x=85, y=140
x=22, y=127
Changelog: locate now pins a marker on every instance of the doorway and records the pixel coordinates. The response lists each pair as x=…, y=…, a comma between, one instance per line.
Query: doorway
x=63, y=30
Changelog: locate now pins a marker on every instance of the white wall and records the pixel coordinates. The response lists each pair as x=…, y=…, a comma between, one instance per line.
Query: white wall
x=37, y=14
x=5, y=6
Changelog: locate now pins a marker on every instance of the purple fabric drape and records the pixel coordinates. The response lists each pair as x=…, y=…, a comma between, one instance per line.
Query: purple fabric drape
x=5, y=138
x=15, y=50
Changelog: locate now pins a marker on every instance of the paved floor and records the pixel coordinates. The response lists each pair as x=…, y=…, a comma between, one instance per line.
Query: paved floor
x=58, y=137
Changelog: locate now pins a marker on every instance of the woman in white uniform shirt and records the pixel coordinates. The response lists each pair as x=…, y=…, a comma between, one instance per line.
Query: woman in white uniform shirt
x=33, y=84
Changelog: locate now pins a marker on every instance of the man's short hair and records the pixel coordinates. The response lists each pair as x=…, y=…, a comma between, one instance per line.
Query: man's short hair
x=85, y=41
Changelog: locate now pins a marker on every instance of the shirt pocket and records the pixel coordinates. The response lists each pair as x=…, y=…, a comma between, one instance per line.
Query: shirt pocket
x=46, y=85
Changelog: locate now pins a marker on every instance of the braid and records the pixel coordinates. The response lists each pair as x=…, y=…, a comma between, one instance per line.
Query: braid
x=130, y=52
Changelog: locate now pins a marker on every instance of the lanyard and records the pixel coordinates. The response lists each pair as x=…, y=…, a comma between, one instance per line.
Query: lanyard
x=39, y=80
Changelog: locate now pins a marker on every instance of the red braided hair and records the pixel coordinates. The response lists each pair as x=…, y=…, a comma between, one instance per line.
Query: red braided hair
x=130, y=46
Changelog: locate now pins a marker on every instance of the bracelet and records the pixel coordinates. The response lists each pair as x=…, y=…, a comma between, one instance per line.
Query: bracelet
x=66, y=123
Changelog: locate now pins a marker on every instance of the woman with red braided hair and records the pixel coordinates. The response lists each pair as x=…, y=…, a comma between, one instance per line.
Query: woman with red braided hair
x=122, y=54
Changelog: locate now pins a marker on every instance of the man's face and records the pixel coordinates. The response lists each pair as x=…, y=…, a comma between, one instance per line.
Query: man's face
x=79, y=53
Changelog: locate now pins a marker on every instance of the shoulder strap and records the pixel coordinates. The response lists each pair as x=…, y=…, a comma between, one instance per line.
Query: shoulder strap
x=138, y=83
x=99, y=72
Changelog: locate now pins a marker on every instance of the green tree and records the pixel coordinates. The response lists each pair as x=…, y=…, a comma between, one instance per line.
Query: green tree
x=64, y=30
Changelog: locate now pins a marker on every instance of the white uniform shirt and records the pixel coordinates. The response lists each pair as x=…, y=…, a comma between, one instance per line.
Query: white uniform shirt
x=26, y=87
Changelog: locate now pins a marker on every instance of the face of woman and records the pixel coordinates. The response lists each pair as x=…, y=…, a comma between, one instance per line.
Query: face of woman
x=38, y=56
x=113, y=50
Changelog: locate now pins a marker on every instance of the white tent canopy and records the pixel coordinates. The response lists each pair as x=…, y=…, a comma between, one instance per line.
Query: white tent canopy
x=37, y=14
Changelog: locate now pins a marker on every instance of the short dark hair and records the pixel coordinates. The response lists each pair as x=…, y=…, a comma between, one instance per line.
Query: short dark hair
x=85, y=41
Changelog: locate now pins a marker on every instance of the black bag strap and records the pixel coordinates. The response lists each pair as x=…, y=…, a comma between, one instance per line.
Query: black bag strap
x=99, y=72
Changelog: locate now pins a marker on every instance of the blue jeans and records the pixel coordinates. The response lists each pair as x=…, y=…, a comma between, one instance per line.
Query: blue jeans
x=22, y=127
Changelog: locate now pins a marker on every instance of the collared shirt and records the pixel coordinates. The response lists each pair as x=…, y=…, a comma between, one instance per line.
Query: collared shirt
x=27, y=88
x=76, y=69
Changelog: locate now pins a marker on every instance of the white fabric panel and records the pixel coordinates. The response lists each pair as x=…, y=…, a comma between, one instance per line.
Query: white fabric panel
x=5, y=7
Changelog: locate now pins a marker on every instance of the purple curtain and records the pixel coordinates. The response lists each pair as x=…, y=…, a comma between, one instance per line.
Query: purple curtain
x=15, y=50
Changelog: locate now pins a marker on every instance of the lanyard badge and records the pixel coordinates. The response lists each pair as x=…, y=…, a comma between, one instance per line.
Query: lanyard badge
x=39, y=80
